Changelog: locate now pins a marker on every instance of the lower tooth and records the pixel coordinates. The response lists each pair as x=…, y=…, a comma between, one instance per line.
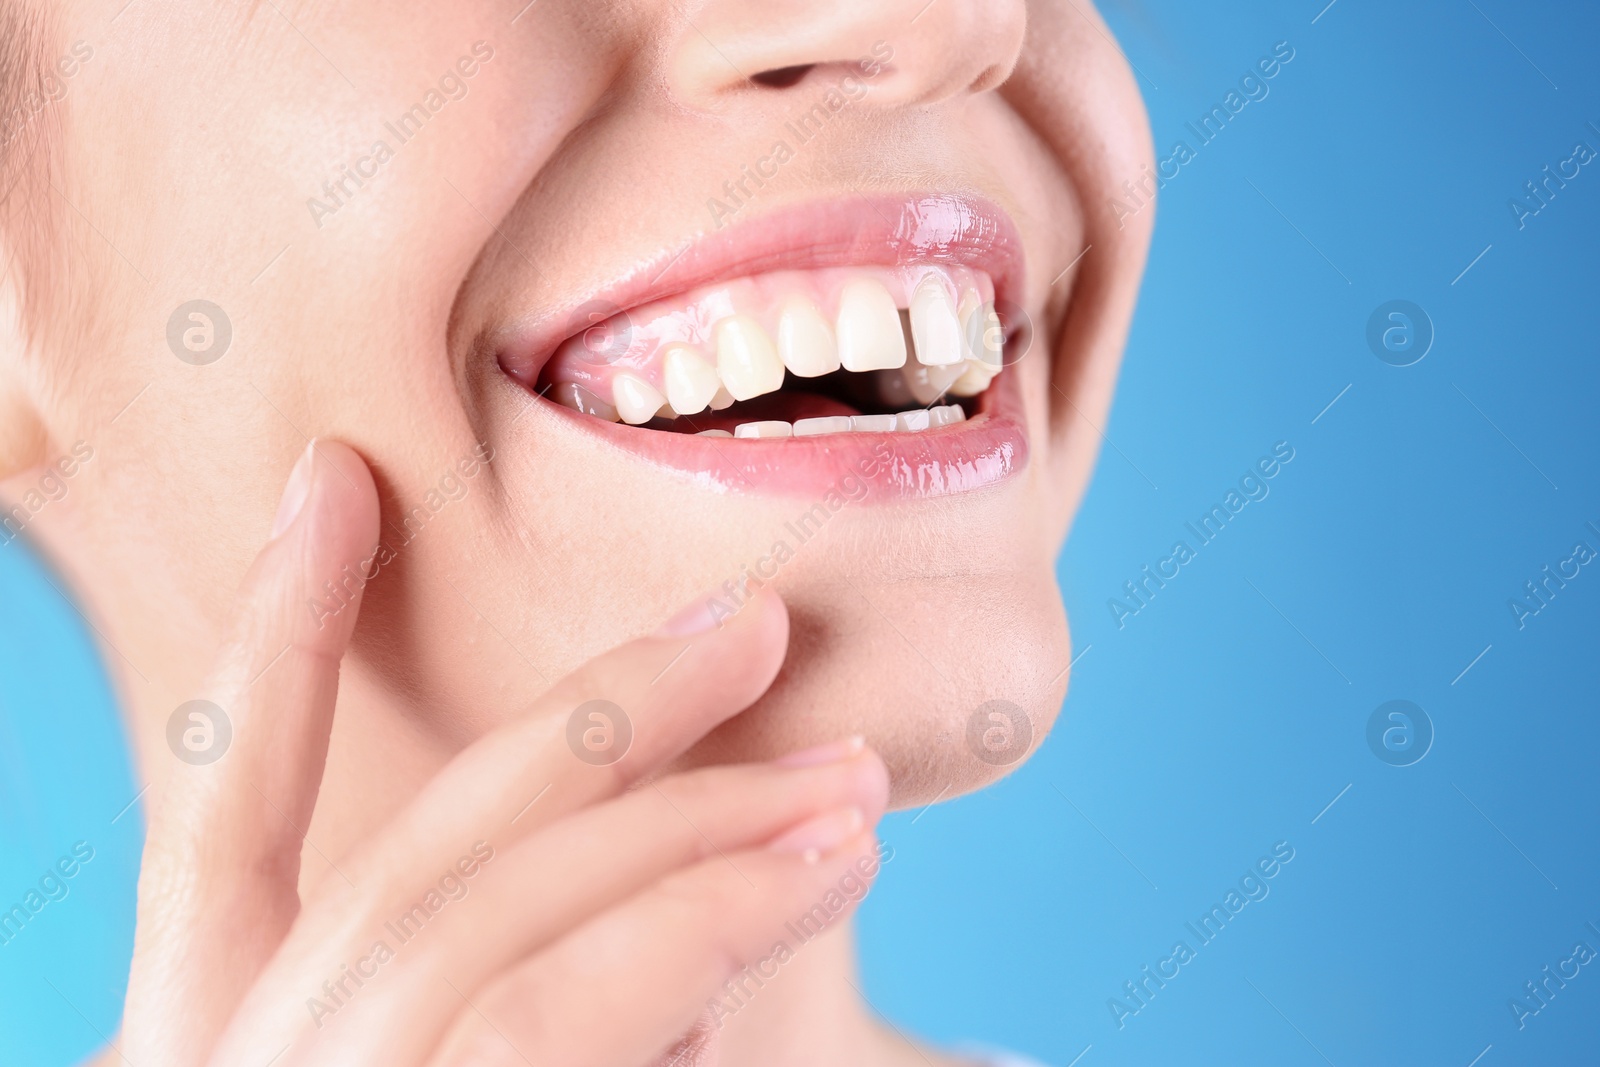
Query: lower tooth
x=946, y=415
x=713, y=433
x=912, y=421
x=874, y=423
x=574, y=396
x=771, y=428
x=822, y=425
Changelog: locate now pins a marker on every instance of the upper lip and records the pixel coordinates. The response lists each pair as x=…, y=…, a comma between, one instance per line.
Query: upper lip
x=877, y=230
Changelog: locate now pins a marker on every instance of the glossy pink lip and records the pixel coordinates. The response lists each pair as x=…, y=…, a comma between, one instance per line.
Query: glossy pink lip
x=929, y=228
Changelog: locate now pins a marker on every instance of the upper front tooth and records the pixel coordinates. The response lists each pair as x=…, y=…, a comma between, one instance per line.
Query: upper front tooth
x=805, y=340
x=636, y=399
x=748, y=363
x=935, y=329
x=868, y=327
x=691, y=381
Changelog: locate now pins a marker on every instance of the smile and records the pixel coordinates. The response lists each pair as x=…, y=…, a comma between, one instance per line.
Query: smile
x=858, y=339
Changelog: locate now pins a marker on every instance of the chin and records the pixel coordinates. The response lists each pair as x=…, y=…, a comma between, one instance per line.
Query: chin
x=918, y=666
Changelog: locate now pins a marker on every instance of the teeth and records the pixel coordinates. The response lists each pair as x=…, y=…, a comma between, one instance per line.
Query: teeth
x=975, y=378
x=636, y=399
x=970, y=306
x=713, y=433
x=576, y=397
x=868, y=328
x=748, y=363
x=872, y=423
x=928, y=384
x=824, y=424
x=691, y=381
x=805, y=340
x=771, y=428
x=935, y=329
x=947, y=343
x=913, y=420
x=982, y=332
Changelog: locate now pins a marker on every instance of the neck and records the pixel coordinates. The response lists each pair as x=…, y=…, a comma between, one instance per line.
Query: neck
x=801, y=1008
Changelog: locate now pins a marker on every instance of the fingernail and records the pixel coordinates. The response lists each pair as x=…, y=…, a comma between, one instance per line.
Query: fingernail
x=296, y=492
x=825, y=753
x=697, y=618
x=822, y=834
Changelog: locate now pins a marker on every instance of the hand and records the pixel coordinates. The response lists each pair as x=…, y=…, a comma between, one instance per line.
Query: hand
x=527, y=905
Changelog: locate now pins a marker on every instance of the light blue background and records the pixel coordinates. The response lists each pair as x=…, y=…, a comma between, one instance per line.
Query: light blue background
x=1227, y=714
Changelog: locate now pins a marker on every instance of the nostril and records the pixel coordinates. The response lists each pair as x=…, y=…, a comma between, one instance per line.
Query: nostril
x=782, y=77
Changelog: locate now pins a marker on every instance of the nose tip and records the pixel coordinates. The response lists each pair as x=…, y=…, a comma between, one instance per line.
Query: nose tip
x=914, y=54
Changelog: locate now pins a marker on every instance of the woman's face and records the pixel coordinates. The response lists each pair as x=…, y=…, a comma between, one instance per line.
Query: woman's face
x=435, y=232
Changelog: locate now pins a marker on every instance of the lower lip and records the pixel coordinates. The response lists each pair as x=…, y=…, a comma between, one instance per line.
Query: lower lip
x=984, y=450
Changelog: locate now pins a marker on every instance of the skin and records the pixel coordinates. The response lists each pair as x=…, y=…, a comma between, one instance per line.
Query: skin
x=181, y=160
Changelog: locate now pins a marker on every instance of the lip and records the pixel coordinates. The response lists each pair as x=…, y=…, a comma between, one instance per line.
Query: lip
x=926, y=228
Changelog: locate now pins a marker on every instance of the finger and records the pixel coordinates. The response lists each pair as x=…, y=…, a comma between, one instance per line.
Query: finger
x=627, y=985
x=498, y=905
x=655, y=697
x=217, y=885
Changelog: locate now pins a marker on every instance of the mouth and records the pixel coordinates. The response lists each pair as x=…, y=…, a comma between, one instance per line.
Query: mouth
x=865, y=338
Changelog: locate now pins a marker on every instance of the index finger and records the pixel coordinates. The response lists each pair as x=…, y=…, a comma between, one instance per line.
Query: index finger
x=218, y=882
x=616, y=719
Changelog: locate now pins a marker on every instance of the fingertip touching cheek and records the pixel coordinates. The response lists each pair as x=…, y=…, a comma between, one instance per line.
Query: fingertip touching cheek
x=816, y=298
